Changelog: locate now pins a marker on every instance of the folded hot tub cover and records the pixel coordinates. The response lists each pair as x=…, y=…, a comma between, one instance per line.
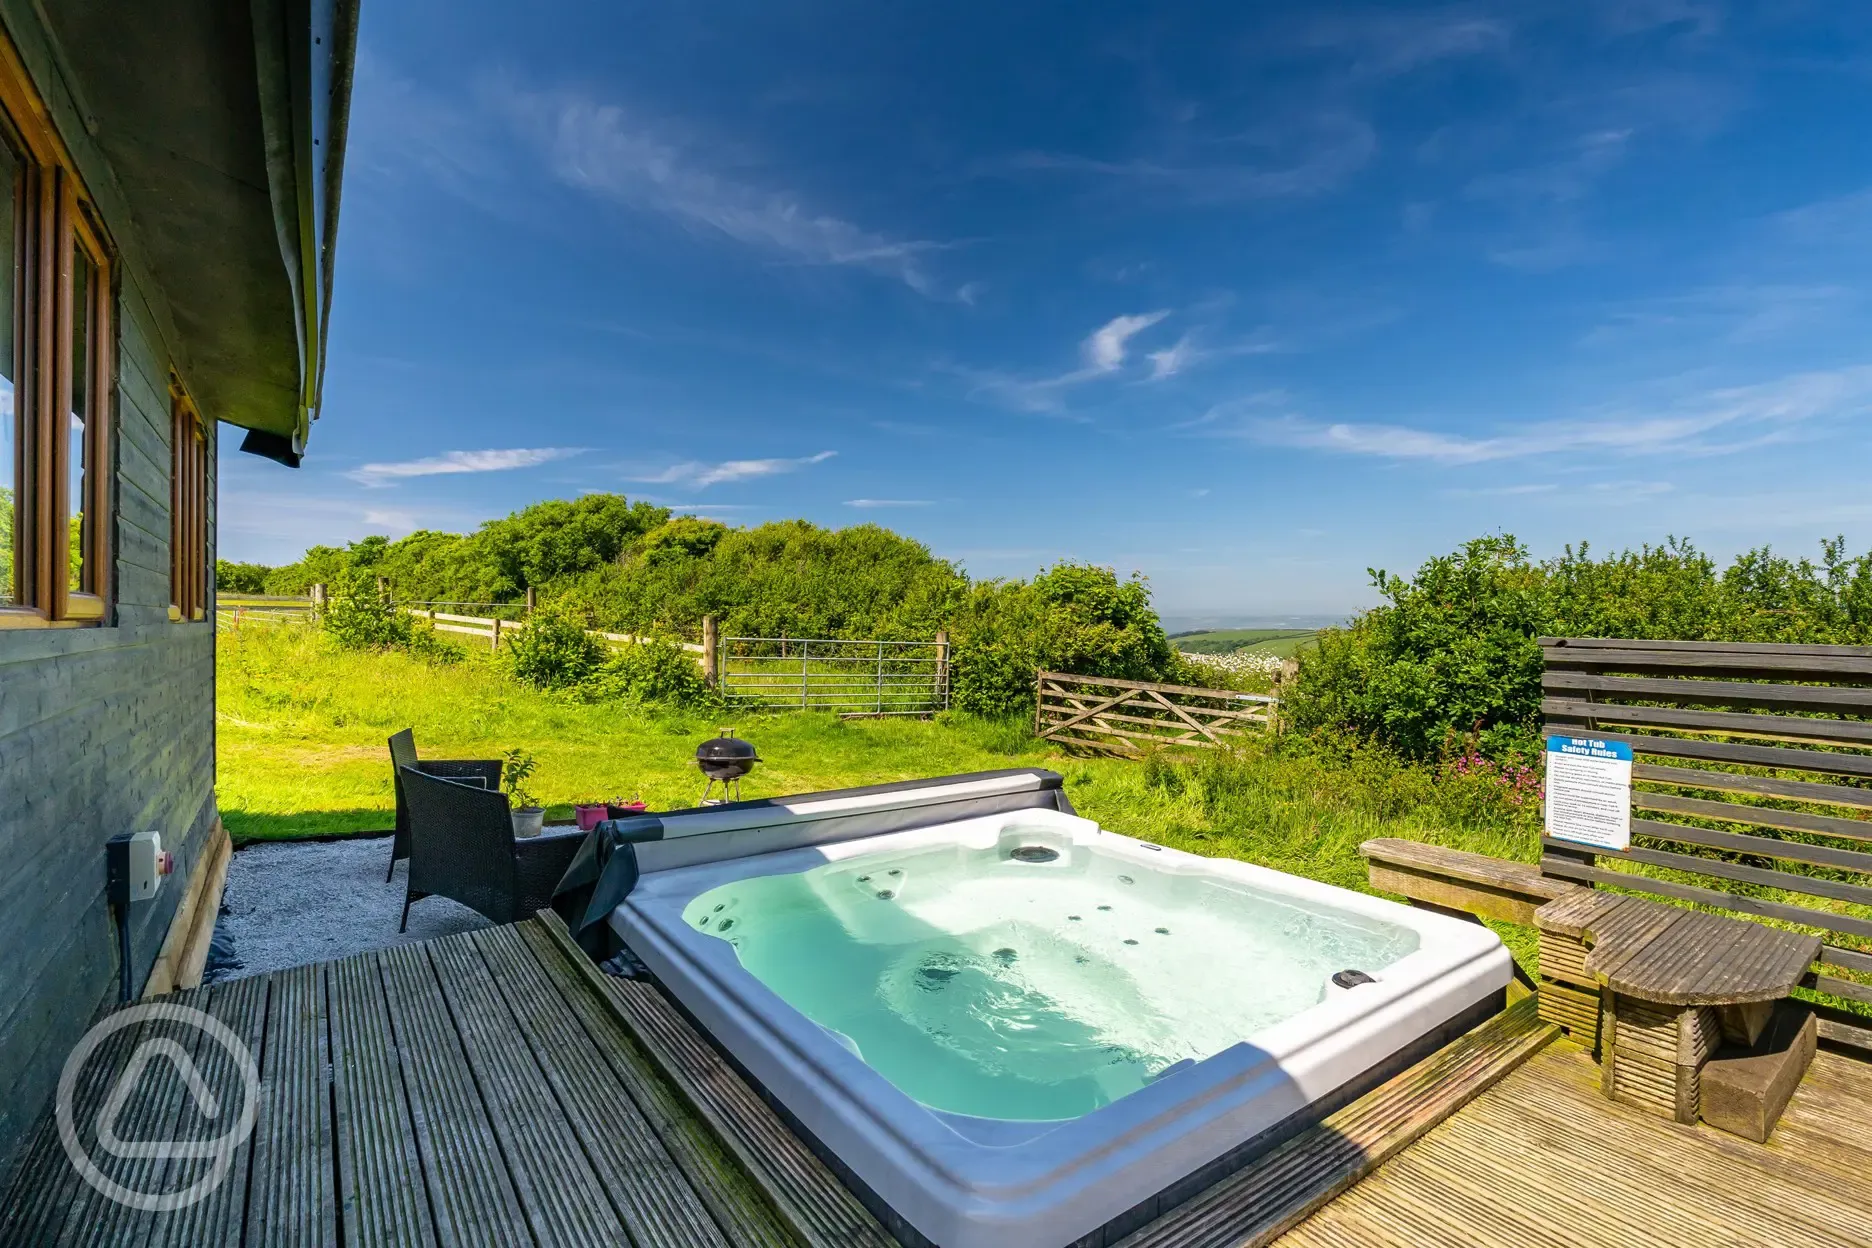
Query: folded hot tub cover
x=606, y=867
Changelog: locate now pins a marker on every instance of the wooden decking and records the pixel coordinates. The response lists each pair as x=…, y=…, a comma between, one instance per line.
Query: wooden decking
x=496, y=1089
x=1543, y=1158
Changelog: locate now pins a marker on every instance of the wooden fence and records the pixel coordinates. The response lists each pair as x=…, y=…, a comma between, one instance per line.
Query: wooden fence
x=1129, y=716
x=493, y=628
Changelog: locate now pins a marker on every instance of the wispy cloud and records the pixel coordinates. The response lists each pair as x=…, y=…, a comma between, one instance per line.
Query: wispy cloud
x=1716, y=422
x=701, y=475
x=451, y=463
x=1302, y=157
x=868, y=503
x=1103, y=352
x=1737, y=313
x=604, y=149
x=1104, y=348
x=1172, y=359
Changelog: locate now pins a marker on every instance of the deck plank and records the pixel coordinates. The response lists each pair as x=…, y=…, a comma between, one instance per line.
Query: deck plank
x=380, y=1189
x=158, y=1106
x=645, y=1185
x=293, y=1205
x=1256, y=1204
x=822, y=1210
x=47, y=1188
x=471, y=1195
x=563, y=1199
x=218, y=1219
x=740, y=1209
x=1543, y=1158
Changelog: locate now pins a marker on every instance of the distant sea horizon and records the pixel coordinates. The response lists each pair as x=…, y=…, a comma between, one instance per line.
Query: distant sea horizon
x=1192, y=621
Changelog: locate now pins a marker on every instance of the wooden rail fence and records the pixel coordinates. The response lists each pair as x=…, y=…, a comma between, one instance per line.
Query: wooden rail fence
x=1129, y=716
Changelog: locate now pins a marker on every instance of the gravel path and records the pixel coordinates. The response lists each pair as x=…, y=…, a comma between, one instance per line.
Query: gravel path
x=288, y=903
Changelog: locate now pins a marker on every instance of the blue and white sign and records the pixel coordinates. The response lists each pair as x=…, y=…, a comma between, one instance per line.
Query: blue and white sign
x=1589, y=791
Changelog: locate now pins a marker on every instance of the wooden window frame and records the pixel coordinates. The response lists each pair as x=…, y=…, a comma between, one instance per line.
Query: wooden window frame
x=188, y=508
x=54, y=221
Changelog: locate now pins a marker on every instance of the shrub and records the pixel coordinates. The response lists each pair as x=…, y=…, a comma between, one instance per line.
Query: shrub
x=357, y=619
x=1072, y=618
x=1452, y=659
x=653, y=671
x=240, y=578
x=553, y=651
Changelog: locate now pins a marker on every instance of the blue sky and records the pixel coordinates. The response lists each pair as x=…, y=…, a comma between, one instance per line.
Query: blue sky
x=1246, y=297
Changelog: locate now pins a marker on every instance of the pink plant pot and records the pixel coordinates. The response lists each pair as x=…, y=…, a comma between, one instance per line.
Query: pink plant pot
x=589, y=817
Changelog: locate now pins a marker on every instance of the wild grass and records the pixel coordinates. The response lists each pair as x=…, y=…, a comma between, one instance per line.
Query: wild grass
x=302, y=728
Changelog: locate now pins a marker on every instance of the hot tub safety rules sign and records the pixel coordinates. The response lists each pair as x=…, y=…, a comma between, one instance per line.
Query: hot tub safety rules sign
x=1589, y=792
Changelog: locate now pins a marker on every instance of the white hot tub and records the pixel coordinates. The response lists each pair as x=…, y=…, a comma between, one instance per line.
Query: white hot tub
x=1016, y=1027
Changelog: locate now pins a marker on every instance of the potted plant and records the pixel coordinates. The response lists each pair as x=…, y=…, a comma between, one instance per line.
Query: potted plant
x=590, y=814
x=517, y=767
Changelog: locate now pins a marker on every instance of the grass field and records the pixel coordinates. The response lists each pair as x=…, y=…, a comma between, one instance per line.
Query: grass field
x=1281, y=642
x=302, y=726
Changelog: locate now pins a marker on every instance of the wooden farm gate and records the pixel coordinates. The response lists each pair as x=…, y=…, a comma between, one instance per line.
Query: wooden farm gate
x=1127, y=716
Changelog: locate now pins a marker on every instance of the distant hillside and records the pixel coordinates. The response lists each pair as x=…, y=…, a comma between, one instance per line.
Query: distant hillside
x=1284, y=642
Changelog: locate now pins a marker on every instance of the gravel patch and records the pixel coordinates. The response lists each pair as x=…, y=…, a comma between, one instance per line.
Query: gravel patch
x=288, y=903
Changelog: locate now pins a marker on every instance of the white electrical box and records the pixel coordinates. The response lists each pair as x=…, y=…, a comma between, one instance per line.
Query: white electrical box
x=147, y=866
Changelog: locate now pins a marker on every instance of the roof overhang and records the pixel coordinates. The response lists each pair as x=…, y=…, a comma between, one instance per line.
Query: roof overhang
x=223, y=122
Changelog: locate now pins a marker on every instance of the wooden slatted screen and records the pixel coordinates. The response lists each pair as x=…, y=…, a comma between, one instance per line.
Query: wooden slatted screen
x=1752, y=785
x=1127, y=716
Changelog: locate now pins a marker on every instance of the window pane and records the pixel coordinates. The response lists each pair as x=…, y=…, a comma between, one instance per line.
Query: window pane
x=9, y=415
x=79, y=459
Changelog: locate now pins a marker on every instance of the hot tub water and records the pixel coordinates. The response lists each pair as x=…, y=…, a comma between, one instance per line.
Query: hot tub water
x=1036, y=978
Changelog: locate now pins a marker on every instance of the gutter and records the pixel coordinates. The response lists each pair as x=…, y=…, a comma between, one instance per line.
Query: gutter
x=304, y=53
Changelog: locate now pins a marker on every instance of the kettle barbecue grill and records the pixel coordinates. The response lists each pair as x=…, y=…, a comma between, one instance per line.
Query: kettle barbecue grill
x=725, y=759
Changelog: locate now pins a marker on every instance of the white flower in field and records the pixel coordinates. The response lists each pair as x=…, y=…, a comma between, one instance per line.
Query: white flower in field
x=1242, y=662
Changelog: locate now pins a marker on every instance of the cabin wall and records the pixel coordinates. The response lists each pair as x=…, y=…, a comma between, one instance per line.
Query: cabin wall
x=103, y=729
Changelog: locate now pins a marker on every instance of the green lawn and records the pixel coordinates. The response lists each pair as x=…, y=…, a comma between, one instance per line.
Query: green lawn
x=302, y=726
x=1284, y=642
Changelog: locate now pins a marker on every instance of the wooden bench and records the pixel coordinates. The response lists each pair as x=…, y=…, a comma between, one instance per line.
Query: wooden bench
x=1750, y=793
x=1746, y=754
x=1673, y=984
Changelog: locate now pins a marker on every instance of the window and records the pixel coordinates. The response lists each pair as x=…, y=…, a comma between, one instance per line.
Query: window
x=188, y=509
x=56, y=377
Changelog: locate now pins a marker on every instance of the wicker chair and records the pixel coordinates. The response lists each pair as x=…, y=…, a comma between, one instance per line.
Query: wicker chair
x=462, y=846
x=403, y=754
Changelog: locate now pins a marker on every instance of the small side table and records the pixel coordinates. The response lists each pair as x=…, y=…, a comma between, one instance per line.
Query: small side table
x=1673, y=985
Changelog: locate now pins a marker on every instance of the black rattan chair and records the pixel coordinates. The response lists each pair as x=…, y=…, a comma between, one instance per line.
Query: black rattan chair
x=403, y=754
x=462, y=846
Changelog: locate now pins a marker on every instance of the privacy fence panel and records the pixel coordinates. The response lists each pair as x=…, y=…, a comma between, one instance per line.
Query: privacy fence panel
x=1752, y=785
x=844, y=676
x=1130, y=716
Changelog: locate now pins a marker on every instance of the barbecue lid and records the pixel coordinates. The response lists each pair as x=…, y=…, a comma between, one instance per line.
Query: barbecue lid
x=726, y=748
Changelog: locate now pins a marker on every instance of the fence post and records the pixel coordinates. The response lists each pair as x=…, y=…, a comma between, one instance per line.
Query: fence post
x=1037, y=698
x=805, y=650
x=880, y=682
x=383, y=589
x=318, y=599
x=494, y=633
x=942, y=669
x=711, y=652
x=532, y=600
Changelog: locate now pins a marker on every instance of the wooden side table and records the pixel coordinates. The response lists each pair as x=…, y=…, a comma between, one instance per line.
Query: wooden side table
x=1672, y=984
